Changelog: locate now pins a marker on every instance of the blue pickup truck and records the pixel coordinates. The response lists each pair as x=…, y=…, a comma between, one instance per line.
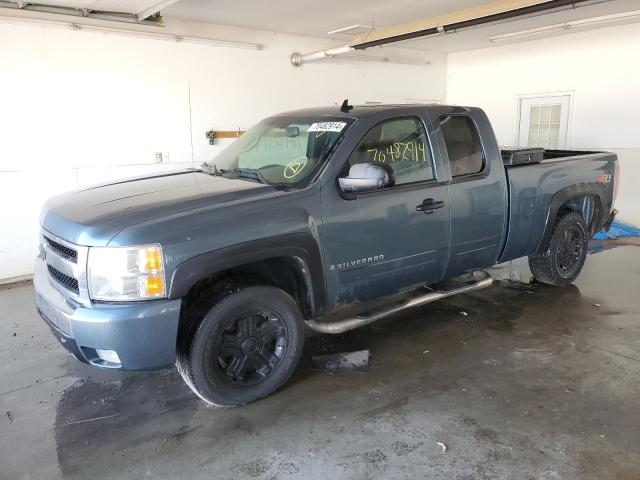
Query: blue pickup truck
x=328, y=218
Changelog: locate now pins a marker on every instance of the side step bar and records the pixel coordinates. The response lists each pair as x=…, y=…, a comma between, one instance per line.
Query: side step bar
x=481, y=280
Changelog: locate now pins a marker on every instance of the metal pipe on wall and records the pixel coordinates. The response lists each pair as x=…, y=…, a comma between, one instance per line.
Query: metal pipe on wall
x=297, y=59
x=346, y=52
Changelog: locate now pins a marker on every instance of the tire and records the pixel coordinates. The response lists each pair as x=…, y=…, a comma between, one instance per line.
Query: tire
x=245, y=348
x=565, y=254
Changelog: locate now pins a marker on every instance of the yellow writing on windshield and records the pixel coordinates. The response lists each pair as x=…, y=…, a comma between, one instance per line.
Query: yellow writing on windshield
x=410, y=151
x=295, y=166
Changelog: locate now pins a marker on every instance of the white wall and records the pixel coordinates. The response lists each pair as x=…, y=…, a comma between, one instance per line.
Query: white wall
x=78, y=107
x=601, y=67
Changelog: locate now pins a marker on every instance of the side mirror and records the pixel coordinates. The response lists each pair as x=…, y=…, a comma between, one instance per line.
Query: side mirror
x=366, y=177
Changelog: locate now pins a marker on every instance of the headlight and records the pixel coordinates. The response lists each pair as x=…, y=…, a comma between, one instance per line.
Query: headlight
x=126, y=273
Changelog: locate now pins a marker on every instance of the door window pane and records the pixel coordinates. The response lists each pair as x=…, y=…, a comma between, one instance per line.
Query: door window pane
x=544, y=126
x=545, y=114
x=401, y=144
x=535, y=115
x=544, y=135
x=463, y=145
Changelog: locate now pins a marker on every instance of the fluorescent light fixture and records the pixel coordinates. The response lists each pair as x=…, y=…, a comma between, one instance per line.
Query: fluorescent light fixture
x=528, y=33
x=586, y=22
x=352, y=30
x=375, y=58
x=133, y=33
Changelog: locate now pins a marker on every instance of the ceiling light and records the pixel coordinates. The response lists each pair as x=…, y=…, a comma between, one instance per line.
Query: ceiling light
x=527, y=33
x=352, y=30
x=586, y=22
x=375, y=58
x=133, y=33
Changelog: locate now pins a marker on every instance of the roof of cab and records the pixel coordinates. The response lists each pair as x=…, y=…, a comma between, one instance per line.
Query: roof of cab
x=358, y=111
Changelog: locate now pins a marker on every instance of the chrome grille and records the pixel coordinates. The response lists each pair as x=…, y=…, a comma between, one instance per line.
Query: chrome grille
x=65, y=280
x=67, y=266
x=66, y=252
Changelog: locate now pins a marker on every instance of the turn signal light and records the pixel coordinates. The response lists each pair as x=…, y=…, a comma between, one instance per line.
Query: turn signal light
x=155, y=286
x=154, y=260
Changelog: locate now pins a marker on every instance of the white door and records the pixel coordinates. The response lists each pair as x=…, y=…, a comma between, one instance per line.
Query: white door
x=544, y=122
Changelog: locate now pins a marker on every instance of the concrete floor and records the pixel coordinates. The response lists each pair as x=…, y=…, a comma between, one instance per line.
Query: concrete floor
x=532, y=383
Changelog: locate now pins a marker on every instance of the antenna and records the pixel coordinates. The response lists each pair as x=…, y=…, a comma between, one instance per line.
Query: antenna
x=346, y=108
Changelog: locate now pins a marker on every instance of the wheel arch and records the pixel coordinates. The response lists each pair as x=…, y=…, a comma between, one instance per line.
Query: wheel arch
x=289, y=261
x=587, y=199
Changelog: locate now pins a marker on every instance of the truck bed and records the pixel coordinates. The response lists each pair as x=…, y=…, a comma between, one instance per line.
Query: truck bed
x=517, y=156
x=566, y=154
x=533, y=186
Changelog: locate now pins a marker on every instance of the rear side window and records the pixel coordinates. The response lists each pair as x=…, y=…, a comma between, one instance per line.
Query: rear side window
x=463, y=145
x=400, y=143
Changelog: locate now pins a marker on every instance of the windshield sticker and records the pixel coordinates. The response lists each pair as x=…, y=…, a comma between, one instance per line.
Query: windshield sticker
x=294, y=167
x=327, y=127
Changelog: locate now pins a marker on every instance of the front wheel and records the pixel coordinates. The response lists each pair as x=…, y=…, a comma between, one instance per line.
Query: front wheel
x=561, y=262
x=245, y=348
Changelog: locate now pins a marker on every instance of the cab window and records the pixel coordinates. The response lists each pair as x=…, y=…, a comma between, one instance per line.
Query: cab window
x=463, y=145
x=401, y=145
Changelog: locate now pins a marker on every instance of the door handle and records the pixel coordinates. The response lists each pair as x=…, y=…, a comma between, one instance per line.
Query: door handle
x=429, y=206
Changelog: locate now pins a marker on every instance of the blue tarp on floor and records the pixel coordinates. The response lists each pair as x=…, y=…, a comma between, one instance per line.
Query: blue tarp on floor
x=618, y=229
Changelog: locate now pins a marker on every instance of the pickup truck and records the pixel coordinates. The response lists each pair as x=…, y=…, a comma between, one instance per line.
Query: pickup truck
x=325, y=218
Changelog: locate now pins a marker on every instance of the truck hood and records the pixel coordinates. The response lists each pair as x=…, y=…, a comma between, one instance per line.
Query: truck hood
x=94, y=215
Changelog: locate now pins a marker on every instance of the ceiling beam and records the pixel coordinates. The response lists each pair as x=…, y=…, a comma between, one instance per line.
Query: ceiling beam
x=489, y=12
x=156, y=7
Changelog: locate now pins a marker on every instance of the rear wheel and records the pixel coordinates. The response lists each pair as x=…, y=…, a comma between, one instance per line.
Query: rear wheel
x=245, y=348
x=562, y=260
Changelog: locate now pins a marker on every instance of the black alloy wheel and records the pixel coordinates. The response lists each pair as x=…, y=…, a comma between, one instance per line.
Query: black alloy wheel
x=250, y=348
x=245, y=345
x=569, y=251
x=564, y=255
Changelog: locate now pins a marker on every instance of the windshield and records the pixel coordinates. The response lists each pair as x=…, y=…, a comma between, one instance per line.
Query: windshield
x=284, y=151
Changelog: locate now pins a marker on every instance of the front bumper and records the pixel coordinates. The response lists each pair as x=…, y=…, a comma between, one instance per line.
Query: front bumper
x=143, y=334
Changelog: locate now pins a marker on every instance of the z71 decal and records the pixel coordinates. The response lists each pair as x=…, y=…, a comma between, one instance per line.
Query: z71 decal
x=604, y=178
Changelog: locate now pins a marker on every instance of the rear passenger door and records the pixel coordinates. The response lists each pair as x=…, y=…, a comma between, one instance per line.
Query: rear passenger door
x=384, y=241
x=477, y=191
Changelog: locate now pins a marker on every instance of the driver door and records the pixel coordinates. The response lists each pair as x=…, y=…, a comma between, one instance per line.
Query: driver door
x=394, y=238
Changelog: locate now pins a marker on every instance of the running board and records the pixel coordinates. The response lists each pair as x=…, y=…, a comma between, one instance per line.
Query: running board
x=482, y=280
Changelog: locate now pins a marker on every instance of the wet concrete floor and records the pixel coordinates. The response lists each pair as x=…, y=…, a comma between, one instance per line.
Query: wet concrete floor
x=517, y=381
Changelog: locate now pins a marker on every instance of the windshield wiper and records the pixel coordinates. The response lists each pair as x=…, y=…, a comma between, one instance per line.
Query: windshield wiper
x=211, y=169
x=247, y=173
